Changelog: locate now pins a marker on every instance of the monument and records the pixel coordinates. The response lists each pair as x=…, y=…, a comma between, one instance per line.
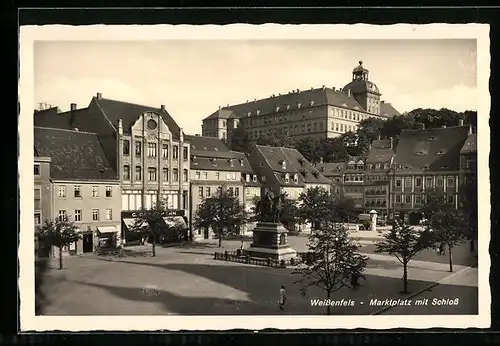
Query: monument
x=270, y=237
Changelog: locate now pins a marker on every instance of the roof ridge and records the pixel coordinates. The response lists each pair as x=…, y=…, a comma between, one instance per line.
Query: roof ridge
x=132, y=103
x=66, y=130
x=104, y=113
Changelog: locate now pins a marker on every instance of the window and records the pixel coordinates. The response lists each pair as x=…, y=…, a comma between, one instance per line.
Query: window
x=77, y=191
x=247, y=192
x=165, y=175
x=197, y=175
x=200, y=191
x=233, y=175
x=78, y=215
x=450, y=199
x=152, y=149
x=408, y=182
x=418, y=182
x=185, y=153
x=109, y=214
x=228, y=176
x=61, y=191
x=152, y=174
x=138, y=148
x=164, y=151
x=230, y=191
x=407, y=199
x=62, y=215
x=287, y=178
x=138, y=173
x=428, y=181
x=398, y=198
x=237, y=191
x=217, y=175
x=450, y=181
x=126, y=172
x=95, y=214
x=37, y=169
x=175, y=175
x=109, y=191
x=37, y=198
x=254, y=178
x=418, y=199
x=185, y=175
x=207, y=191
x=95, y=191
x=439, y=181
x=205, y=175
x=38, y=218
x=296, y=178
x=175, y=153
x=126, y=147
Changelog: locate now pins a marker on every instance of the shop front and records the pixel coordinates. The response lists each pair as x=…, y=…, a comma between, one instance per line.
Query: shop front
x=108, y=239
x=135, y=229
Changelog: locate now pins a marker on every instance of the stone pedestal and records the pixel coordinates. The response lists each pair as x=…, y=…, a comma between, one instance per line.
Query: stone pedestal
x=373, y=220
x=270, y=240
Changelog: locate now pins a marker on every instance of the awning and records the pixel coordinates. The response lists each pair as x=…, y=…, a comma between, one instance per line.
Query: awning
x=135, y=224
x=173, y=221
x=106, y=229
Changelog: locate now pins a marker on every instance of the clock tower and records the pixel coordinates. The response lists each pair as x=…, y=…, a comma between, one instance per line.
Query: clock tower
x=363, y=90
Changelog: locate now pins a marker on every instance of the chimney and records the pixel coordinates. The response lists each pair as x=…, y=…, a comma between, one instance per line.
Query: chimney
x=181, y=136
x=99, y=96
x=334, y=89
x=162, y=107
x=72, y=106
x=120, y=127
x=460, y=122
x=349, y=92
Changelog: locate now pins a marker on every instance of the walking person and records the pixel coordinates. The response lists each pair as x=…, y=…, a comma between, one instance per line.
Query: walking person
x=282, y=297
x=441, y=248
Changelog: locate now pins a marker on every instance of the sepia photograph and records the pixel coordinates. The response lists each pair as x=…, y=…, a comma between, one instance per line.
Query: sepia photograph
x=254, y=176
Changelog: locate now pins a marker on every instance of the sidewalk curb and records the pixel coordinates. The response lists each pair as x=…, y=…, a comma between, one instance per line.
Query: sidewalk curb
x=378, y=312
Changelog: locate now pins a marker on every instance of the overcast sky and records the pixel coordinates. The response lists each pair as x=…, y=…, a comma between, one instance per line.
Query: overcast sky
x=192, y=78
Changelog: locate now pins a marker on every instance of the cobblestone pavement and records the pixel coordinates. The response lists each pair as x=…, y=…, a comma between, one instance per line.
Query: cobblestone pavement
x=187, y=280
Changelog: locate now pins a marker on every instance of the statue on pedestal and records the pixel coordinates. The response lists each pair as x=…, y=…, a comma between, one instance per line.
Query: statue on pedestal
x=269, y=207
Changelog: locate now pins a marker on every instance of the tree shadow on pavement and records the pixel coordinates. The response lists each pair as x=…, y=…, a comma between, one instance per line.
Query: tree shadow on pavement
x=261, y=285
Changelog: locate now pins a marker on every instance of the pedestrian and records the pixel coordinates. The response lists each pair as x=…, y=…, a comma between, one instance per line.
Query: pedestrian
x=242, y=245
x=441, y=248
x=282, y=297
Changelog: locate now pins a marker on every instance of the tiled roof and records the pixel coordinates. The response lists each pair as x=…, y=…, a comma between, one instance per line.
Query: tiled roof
x=214, y=164
x=359, y=86
x=306, y=99
x=74, y=155
x=381, y=152
x=130, y=112
x=222, y=114
x=387, y=110
x=52, y=118
x=208, y=147
x=329, y=169
x=241, y=158
x=470, y=145
x=294, y=163
x=430, y=150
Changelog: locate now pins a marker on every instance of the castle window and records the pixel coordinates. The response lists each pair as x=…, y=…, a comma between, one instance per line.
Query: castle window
x=287, y=178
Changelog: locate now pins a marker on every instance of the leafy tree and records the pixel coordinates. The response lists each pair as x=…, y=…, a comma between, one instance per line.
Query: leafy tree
x=368, y=131
x=289, y=213
x=404, y=241
x=333, y=260
x=151, y=222
x=434, y=201
x=277, y=139
x=352, y=145
x=222, y=213
x=309, y=148
x=59, y=233
x=345, y=209
x=316, y=206
x=450, y=228
x=333, y=150
x=240, y=140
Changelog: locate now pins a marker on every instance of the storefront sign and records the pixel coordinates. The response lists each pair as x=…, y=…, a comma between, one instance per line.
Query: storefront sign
x=167, y=213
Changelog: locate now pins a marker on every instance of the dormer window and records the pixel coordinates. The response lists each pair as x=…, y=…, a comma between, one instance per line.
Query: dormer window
x=296, y=178
x=277, y=108
x=301, y=162
x=231, y=162
x=425, y=167
x=316, y=174
x=247, y=178
x=214, y=162
x=257, y=111
x=254, y=178
x=283, y=164
x=287, y=107
x=299, y=105
x=216, y=149
x=261, y=164
x=440, y=152
x=370, y=166
x=249, y=114
x=421, y=153
x=311, y=103
x=241, y=162
x=287, y=178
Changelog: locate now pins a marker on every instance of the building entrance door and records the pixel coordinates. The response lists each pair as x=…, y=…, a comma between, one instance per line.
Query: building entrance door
x=87, y=243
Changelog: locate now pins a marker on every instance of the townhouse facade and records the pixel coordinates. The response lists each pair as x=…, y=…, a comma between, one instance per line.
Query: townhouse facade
x=285, y=170
x=353, y=180
x=426, y=160
x=316, y=113
x=79, y=184
x=144, y=145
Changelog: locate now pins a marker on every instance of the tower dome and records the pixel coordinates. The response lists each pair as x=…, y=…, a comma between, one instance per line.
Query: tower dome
x=363, y=90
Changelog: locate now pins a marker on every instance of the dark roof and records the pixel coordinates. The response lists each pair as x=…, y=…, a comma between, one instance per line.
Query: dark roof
x=470, y=145
x=294, y=163
x=331, y=168
x=380, y=152
x=307, y=99
x=74, y=155
x=387, y=110
x=215, y=164
x=208, y=147
x=243, y=163
x=359, y=86
x=431, y=149
x=130, y=112
x=52, y=118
